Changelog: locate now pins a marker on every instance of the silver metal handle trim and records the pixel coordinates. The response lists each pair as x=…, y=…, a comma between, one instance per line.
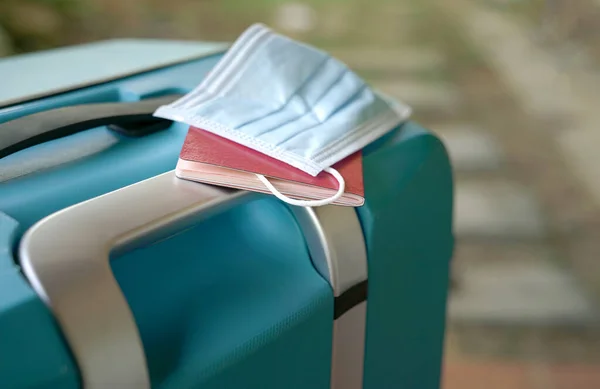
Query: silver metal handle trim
x=336, y=244
x=337, y=247
x=66, y=258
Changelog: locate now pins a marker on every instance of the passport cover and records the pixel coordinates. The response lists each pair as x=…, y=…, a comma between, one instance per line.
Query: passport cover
x=230, y=164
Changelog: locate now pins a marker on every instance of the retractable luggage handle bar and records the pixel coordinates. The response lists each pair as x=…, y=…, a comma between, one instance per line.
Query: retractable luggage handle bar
x=65, y=256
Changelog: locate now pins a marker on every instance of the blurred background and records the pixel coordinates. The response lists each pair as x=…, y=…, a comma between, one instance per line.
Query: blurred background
x=513, y=89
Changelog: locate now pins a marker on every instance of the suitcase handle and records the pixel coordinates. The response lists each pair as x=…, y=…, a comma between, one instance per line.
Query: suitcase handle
x=128, y=118
x=65, y=257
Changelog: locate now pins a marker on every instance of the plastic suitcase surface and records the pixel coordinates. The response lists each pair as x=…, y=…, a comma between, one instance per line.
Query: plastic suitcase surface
x=206, y=287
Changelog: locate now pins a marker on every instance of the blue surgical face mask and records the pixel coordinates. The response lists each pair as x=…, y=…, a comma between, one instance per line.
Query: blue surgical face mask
x=287, y=100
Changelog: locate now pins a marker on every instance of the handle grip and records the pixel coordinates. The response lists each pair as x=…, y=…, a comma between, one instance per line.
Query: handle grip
x=129, y=118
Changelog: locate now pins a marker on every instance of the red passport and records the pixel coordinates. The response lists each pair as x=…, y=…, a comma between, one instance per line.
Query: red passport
x=211, y=159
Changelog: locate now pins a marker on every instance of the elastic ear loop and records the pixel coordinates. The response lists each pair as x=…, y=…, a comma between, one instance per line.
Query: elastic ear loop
x=308, y=203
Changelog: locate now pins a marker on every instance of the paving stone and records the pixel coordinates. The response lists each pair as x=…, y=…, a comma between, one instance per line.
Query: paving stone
x=385, y=24
x=527, y=341
x=422, y=95
x=334, y=19
x=489, y=375
x=504, y=374
x=517, y=292
x=580, y=148
x=391, y=60
x=295, y=17
x=575, y=376
x=496, y=209
x=470, y=149
x=468, y=253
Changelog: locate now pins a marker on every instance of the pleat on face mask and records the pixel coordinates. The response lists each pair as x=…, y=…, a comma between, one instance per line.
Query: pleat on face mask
x=287, y=100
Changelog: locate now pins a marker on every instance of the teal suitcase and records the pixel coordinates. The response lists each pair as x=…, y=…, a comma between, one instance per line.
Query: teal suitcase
x=116, y=274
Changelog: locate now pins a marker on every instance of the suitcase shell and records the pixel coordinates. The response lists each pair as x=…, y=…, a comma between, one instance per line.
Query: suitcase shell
x=238, y=294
